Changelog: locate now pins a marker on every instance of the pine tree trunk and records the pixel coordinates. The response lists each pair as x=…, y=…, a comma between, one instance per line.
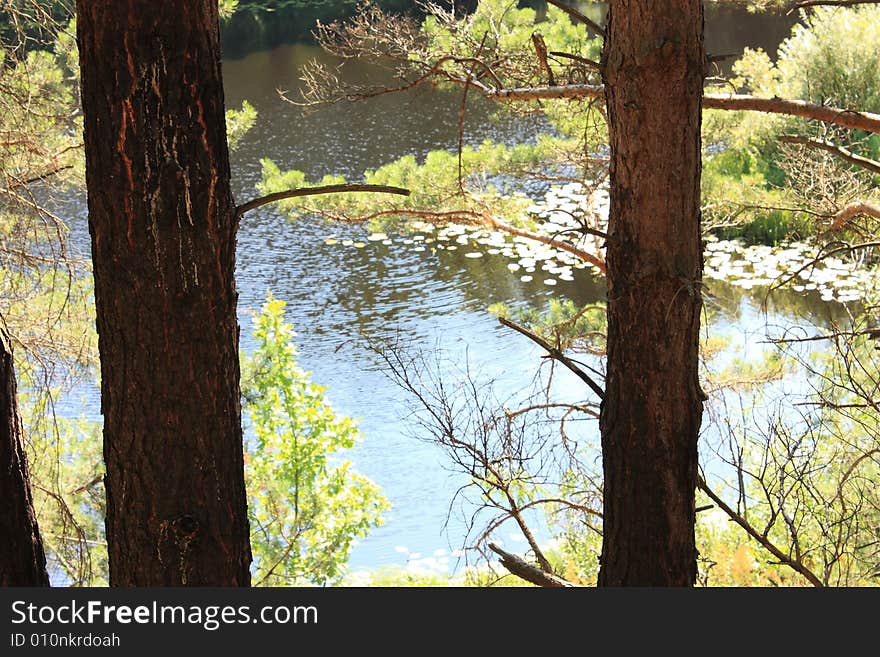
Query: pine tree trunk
x=22, y=561
x=651, y=414
x=162, y=223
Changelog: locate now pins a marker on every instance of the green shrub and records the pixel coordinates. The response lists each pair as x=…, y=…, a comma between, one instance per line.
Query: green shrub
x=306, y=504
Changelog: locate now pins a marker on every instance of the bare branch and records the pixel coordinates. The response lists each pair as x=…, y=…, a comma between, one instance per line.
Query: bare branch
x=831, y=147
x=558, y=92
x=575, y=58
x=871, y=333
x=541, y=54
x=843, y=117
x=527, y=571
x=849, y=212
x=312, y=191
x=42, y=176
x=556, y=354
x=846, y=118
x=549, y=240
x=736, y=102
x=758, y=536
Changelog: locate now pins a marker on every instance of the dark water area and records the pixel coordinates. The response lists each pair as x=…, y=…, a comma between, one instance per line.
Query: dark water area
x=728, y=28
x=434, y=300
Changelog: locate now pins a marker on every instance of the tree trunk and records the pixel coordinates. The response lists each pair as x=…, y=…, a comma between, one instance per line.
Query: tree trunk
x=162, y=223
x=650, y=419
x=22, y=561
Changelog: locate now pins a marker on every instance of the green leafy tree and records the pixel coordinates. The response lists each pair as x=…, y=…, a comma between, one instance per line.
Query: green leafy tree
x=306, y=503
x=773, y=177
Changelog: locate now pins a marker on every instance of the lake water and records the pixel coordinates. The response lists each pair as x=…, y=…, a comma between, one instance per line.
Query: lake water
x=436, y=300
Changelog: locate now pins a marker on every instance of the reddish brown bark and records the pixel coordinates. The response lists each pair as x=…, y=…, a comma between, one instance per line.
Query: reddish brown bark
x=650, y=419
x=163, y=224
x=22, y=560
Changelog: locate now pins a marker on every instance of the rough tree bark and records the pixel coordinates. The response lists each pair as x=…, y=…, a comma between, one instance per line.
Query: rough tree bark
x=22, y=560
x=653, y=71
x=163, y=225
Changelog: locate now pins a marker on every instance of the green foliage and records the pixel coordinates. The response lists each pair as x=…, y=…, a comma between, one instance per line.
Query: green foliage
x=306, y=504
x=751, y=184
x=728, y=557
x=42, y=298
x=51, y=316
x=67, y=52
x=238, y=123
x=67, y=469
x=31, y=23
x=831, y=58
x=334, y=7
x=470, y=577
x=769, y=227
x=397, y=576
x=500, y=32
x=805, y=479
x=434, y=185
x=36, y=100
x=578, y=555
x=227, y=8
x=744, y=200
x=263, y=24
x=509, y=29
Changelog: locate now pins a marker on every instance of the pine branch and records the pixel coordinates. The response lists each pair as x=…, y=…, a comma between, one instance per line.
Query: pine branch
x=312, y=191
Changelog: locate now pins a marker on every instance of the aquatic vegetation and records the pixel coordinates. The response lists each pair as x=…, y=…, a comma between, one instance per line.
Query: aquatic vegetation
x=562, y=213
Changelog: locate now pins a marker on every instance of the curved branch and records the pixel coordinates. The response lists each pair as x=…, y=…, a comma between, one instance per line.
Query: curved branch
x=586, y=410
x=794, y=564
x=834, y=149
x=527, y=571
x=312, y=191
x=849, y=212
